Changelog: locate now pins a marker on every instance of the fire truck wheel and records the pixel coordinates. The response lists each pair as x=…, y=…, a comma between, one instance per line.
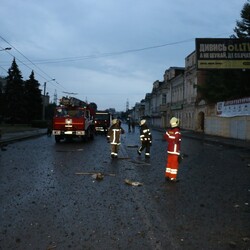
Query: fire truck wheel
x=57, y=138
x=92, y=134
x=84, y=138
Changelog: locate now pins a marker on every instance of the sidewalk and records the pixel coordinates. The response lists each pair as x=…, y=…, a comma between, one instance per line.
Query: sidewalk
x=18, y=136
x=214, y=139
x=218, y=139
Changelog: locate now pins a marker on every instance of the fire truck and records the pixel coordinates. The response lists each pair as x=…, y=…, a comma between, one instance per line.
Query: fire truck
x=102, y=121
x=73, y=118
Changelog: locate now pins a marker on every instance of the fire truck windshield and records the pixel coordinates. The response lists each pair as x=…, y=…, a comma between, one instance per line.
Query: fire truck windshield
x=67, y=112
x=100, y=116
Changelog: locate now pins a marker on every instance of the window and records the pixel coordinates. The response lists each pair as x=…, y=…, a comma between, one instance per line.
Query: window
x=164, y=99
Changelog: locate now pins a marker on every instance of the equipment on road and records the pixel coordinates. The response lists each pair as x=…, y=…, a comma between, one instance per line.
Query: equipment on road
x=73, y=118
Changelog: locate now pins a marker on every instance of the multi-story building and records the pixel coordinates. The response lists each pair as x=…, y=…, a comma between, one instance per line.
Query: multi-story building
x=166, y=98
x=178, y=95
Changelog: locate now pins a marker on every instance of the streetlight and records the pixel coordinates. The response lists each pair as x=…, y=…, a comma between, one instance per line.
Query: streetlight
x=44, y=92
x=5, y=49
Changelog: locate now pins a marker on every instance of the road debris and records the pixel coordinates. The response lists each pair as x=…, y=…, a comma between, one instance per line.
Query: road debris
x=232, y=244
x=246, y=239
x=99, y=174
x=50, y=247
x=133, y=183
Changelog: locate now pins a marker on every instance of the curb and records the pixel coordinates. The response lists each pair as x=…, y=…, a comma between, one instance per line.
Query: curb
x=21, y=136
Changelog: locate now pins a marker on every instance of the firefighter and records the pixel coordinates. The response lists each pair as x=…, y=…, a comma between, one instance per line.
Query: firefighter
x=146, y=139
x=114, y=137
x=173, y=137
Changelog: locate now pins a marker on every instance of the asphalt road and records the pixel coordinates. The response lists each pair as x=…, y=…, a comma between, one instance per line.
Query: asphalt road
x=50, y=197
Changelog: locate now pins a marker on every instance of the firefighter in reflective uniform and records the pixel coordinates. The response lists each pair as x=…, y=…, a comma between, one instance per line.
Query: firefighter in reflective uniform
x=173, y=137
x=114, y=137
x=145, y=138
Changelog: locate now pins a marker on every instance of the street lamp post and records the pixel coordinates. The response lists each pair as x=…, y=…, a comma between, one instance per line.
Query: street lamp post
x=44, y=93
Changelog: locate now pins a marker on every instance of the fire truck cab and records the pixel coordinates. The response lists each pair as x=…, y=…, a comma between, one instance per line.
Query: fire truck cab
x=73, y=118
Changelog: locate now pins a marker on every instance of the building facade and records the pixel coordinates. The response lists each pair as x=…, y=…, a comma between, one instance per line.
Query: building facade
x=177, y=96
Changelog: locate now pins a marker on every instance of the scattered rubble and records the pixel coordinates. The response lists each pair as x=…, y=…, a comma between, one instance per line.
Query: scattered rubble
x=98, y=176
x=95, y=175
x=133, y=183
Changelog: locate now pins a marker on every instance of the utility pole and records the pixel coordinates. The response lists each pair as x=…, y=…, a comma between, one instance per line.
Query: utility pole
x=127, y=105
x=44, y=93
x=55, y=97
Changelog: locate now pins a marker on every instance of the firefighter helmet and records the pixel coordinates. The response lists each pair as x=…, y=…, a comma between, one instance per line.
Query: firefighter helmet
x=143, y=121
x=114, y=121
x=174, y=122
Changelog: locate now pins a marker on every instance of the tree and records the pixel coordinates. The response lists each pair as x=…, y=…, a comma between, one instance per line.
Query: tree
x=33, y=99
x=242, y=28
x=1, y=99
x=13, y=97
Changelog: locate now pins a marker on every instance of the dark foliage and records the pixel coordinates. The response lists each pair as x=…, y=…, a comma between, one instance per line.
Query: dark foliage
x=222, y=85
x=33, y=99
x=242, y=29
x=13, y=97
x=22, y=99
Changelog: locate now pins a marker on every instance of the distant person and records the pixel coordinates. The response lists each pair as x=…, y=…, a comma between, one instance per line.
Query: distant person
x=129, y=125
x=173, y=137
x=133, y=126
x=145, y=138
x=114, y=137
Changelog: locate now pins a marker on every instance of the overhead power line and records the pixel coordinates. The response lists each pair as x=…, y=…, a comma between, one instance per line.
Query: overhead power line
x=26, y=59
x=47, y=79
x=107, y=54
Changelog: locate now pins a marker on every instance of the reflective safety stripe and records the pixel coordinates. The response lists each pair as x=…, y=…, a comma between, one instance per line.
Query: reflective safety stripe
x=168, y=170
x=173, y=171
x=115, y=143
x=173, y=153
x=170, y=136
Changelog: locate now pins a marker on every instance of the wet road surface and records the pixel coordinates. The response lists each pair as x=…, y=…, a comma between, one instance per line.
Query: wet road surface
x=51, y=200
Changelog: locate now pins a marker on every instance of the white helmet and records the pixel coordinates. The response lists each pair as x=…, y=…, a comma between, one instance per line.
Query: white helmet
x=174, y=122
x=143, y=121
x=114, y=121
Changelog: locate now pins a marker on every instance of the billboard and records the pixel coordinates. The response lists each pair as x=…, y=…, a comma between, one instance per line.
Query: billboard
x=222, y=53
x=239, y=107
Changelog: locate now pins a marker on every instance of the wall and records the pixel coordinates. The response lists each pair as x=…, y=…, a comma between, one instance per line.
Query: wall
x=232, y=127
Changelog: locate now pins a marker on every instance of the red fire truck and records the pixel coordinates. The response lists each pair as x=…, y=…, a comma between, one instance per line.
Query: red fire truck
x=73, y=118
